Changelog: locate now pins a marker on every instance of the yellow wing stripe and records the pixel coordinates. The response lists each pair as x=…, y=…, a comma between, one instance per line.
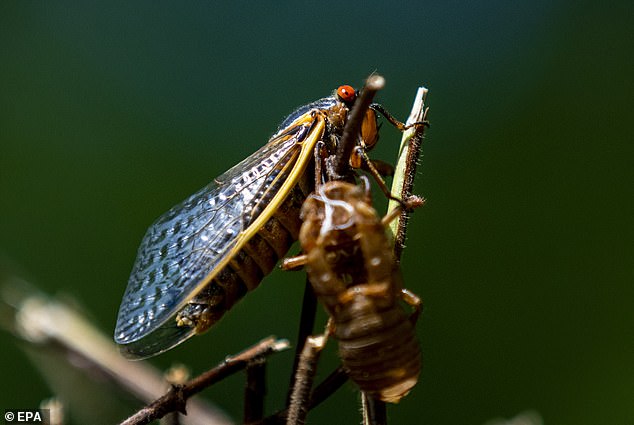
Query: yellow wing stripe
x=307, y=148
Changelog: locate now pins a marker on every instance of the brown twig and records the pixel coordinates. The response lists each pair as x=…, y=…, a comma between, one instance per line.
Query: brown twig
x=176, y=398
x=325, y=389
x=299, y=406
x=352, y=129
x=328, y=386
x=255, y=390
x=374, y=411
x=306, y=326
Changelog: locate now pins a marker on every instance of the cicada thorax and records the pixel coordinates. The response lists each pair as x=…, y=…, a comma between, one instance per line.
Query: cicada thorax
x=351, y=267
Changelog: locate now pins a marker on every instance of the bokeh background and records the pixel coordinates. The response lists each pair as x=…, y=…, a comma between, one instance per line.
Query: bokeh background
x=110, y=113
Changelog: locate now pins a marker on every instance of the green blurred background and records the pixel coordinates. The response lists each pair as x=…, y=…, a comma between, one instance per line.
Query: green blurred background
x=113, y=112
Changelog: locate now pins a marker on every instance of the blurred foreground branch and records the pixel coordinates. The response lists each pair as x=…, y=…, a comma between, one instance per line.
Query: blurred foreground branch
x=56, y=326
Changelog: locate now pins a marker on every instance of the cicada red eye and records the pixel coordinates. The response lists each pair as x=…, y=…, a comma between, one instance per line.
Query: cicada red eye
x=346, y=93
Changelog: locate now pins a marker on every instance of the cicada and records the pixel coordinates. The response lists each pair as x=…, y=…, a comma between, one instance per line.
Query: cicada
x=203, y=255
x=351, y=266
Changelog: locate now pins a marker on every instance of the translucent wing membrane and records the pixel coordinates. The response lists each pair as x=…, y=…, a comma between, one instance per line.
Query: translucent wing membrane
x=187, y=246
x=168, y=335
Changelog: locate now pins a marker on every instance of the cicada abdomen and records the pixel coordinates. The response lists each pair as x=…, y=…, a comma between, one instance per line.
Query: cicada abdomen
x=351, y=267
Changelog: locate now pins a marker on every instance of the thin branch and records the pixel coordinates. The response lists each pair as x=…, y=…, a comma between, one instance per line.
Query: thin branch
x=299, y=406
x=405, y=171
x=325, y=389
x=176, y=398
x=374, y=411
x=255, y=391
x=328, y=386
x=352, y=129
x=306, y=326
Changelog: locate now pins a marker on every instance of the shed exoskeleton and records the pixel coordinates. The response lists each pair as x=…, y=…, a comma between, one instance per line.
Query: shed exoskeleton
x=350, y=264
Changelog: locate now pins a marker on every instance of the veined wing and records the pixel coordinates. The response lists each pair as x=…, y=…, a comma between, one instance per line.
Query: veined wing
x=187, y=246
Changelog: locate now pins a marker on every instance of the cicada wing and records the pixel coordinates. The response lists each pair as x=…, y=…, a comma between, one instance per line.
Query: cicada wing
x=184, y=248
x=158, y=341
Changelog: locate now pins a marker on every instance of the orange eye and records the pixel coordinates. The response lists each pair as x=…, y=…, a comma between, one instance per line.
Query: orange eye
x=346, y=93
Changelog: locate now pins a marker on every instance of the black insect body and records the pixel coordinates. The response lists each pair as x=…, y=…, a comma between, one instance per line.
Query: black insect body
x=198, y=259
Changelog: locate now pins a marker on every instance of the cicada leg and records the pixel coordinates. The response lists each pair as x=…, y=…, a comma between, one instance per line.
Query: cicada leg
x=320, y=153
x=294, y=263
x=409, y=204
x=360, y=159
x=396, y=123
x=369, y=136
x=377, y=290
x=413, y=301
